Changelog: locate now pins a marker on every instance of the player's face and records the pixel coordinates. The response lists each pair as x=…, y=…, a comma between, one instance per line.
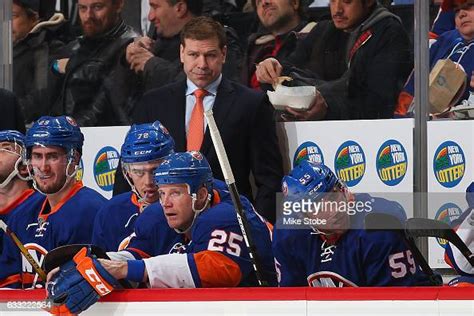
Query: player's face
x=202, y=60
x=464, y=20
x=49, y=168
x=347, y=14
x=177, y=205
x=21, y=23
x=274, y=14
x=141, y=175
x=98, y=16
x=164, y=16
x=9, y=154
x=333, y=211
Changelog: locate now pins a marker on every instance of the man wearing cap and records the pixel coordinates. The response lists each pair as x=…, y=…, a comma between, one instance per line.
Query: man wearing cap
x=35, y=45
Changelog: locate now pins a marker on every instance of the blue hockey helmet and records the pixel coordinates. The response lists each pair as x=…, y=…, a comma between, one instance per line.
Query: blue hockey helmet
x=61, y=131
x=146, y=142
x=190, y=168
x=308, y=180
x=12, y=136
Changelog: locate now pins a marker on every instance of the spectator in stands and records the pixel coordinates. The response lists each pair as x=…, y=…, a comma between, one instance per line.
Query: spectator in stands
x=244, y=116
x=283, y=23
x=157, y=62
x=98, y=84
x=457, y=45
x=34, y=47
x=358, y=61
x=11, y=117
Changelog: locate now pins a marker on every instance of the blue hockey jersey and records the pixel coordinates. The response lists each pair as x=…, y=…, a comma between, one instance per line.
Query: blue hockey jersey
x=152, y=235
x=70, y=222
x=27, y=198
x=115, y=222
x=357, y=258
x=216, y=255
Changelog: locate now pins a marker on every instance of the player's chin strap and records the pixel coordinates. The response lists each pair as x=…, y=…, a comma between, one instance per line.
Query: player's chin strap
x=38, y=172
x=141, y=199
x=196, y=212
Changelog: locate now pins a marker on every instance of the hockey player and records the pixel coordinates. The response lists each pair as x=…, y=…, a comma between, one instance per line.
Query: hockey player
x=212, y=252
x=465, y=229
x=66, y=216
x=15, y=192
x=336, y=252
x=143, y=150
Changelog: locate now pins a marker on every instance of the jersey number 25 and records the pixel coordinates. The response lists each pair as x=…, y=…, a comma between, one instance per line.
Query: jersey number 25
x=225, y=242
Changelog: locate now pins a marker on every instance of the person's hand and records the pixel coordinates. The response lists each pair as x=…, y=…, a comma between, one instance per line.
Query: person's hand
x=118, y=269
x=317, y=111
x=138, y=53
x=139, y=59
x=78, y=284
x=140, y=42
x=268, y=70
x=472, y=79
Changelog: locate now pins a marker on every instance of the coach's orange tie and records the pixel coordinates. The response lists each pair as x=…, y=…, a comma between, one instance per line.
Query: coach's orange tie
x=196, y=124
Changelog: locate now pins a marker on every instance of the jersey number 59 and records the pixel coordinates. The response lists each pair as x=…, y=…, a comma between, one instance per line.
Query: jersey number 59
x=401, y=263
x=225, y=242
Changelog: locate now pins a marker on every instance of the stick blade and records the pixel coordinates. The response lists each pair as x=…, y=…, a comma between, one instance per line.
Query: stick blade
x=425, y=227
x=60, y=255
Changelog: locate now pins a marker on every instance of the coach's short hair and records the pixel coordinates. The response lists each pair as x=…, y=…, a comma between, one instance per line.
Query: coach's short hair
x=203, y=28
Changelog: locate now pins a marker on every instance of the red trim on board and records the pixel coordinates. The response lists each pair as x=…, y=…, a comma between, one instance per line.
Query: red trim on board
x=267, y=294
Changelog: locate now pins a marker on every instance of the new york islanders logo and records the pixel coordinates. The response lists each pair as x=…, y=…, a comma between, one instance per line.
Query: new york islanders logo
x=80, y=171
x=449, y=164
x=105, y=166
x=308, y=151
x=391, y=162
x=447, y=213
x=38, y=253
x=349, y=163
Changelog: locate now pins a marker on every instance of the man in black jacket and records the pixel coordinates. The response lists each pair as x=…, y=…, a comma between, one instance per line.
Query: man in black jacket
x=98, y=85
x=282, y=23
x=34, y=46
x=157, y=61
x=358, y=62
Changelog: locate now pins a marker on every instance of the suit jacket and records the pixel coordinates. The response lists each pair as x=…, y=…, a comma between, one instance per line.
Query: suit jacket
x=245, y=120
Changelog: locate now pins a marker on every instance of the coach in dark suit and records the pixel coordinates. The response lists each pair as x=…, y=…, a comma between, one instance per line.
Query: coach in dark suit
x=244, y=117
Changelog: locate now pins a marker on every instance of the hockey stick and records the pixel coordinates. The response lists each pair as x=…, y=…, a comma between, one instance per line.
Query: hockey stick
x=23, y=250
x=234, y=193
x=424, y=227
x=386, y=222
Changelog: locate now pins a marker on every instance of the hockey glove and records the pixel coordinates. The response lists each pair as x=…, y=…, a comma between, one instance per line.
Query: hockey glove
x=79, y=284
